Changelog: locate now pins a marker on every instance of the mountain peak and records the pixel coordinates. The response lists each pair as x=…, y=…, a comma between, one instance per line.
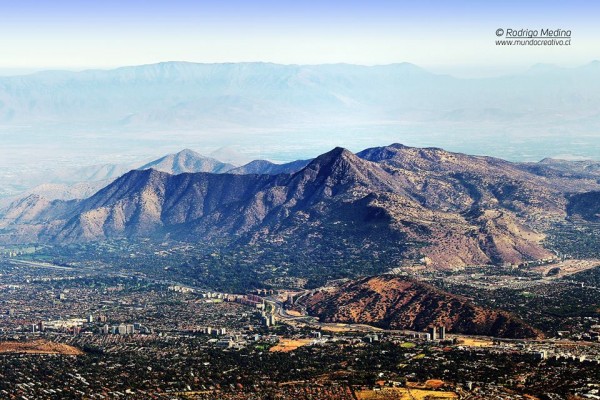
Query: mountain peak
x=186, y=152
x=339, y=151
x=187, y=160
x=341, y=169
x=329, y=158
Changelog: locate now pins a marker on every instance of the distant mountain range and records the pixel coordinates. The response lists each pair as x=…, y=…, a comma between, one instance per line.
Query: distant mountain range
x=293, y=108
x=182, y=94
x=431, y=206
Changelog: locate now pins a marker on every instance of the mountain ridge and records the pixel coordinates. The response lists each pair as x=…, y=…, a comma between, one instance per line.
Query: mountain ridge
x=463, y=210
x=198, y=92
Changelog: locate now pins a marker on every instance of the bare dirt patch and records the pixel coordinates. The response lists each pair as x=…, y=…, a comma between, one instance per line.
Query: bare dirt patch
x=403, y=394
x=567, y=267
x=38, y=347
x=286, y=345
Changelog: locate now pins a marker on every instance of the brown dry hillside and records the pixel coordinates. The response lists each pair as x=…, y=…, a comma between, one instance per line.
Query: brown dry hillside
x=38, y=347
x=394, y=302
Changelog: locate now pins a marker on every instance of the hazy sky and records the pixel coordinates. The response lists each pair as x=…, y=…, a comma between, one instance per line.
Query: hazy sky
x=444, y=36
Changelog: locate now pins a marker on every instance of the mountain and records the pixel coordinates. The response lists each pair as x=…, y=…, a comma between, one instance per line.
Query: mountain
x=393, y=302
x=405, y=205
x=187, y=161
x=492, y=209
x=184, y=93
x=458, y=181
x=267, y=167
x=142, y=202
x=237, y=102
x=149, y=202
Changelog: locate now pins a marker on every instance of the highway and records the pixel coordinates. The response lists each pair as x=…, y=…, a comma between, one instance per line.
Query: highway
x=36, y=264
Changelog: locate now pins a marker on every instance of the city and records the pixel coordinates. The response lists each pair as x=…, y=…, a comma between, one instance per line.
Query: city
x=133, y=337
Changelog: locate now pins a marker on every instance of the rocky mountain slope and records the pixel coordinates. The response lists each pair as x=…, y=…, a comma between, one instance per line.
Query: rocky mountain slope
x=394, y=302
x=585, y=206
x=438, y=208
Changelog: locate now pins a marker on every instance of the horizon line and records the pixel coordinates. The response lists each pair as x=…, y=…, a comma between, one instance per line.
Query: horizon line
x=21, y=70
